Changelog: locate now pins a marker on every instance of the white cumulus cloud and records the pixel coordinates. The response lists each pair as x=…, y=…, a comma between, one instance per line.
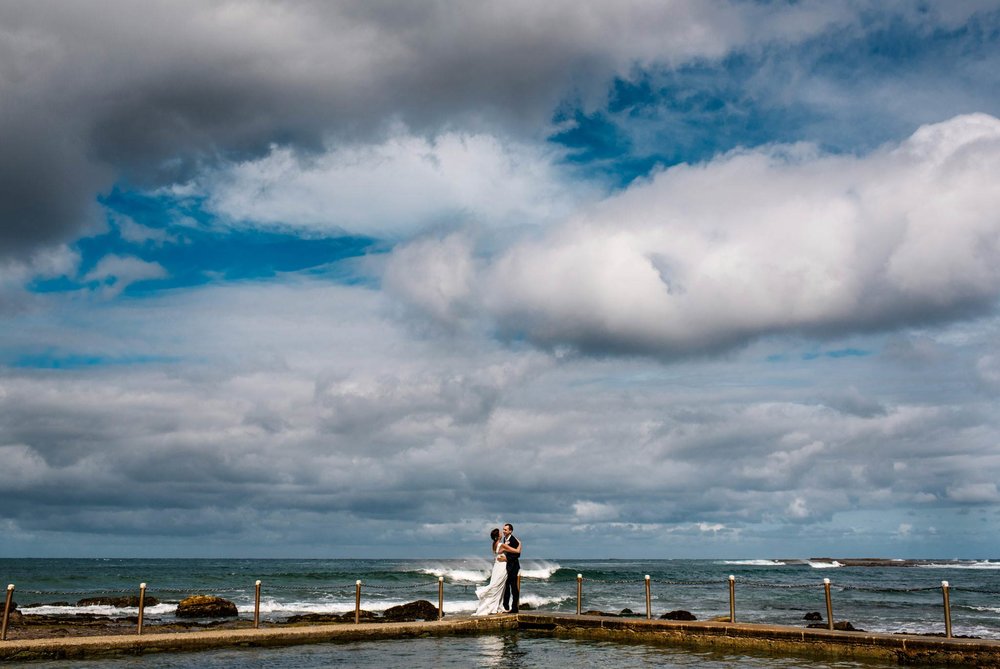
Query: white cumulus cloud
x=773, y=240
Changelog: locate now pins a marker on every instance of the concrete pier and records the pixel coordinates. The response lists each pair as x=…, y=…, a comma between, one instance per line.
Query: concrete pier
x=285, y=635
x=732, y=637
x=779, y=640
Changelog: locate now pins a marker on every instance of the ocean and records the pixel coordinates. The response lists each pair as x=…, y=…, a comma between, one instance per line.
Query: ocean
x=878, y=596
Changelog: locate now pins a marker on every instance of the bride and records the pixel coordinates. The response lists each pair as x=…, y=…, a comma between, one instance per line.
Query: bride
x=490, y=594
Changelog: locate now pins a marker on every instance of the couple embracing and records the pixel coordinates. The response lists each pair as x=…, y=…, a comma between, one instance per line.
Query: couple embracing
x=501, y=594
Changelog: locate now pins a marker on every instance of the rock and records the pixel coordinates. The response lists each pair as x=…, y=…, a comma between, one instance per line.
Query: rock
x=842, y=625
x=678, y=615
x=525, y=607
x=315, y=618
x=628, y=613
x=206, y=606
x=418, y=610
x=348, y=617
x=13, y=606
x=131, y=601
x=812, y=615
x=595, y=612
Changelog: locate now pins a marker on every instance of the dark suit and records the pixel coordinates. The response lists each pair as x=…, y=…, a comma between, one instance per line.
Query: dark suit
x=511, y=593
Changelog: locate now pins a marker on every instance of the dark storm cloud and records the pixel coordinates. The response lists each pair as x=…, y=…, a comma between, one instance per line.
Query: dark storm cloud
x=94, y=93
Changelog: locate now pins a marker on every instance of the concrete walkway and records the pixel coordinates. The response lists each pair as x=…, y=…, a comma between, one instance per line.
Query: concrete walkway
x=902, y=649
x=285, y=635
x=754, y=638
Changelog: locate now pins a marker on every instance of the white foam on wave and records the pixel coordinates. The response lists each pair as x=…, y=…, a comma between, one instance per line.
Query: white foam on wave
x=979, y=564
x=824, y=565
x=111, y=611
x=537, y=601
x=472, y=570
x=540, y=569
x=755, y=563
x=478, y=571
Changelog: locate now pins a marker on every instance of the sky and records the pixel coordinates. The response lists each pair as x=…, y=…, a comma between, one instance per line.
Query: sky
x=672, y=279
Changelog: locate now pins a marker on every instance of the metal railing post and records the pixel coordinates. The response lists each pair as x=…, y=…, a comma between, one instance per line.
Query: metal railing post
x=440, y=597
x=732, y=598
x=6, y=612
x=947, y=609
x=256, y=605
x=649, y=608
x=829, y=604
x=579, y=593
x=357, y=601
x=142, y=606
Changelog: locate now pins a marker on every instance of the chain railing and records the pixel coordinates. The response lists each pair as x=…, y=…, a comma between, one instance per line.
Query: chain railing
x=645, y=581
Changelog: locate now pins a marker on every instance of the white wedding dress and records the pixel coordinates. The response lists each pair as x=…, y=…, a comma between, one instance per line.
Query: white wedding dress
x=491, y=594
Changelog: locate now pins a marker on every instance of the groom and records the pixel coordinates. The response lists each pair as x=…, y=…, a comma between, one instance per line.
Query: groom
x=511, y=548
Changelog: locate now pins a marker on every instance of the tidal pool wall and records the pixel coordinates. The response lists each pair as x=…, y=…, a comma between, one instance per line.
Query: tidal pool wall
x=751, y=638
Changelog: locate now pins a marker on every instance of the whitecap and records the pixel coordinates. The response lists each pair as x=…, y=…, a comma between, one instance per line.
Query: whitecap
x=539, y=569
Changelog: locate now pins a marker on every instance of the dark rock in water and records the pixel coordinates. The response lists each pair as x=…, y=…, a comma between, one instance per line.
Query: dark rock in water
x=627, y=613
x=595, y=612
x=316, y=618
x=525, y=607
x=331, y=617
x=120, y=602
x=812, y=615
x=678, y=615
x=418, y=610
x=842, y=625
x=13, y=606
x=206, y=606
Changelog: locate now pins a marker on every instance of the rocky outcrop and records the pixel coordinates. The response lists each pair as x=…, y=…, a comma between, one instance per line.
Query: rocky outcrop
x=131, y=601
x=418, y=610
x=812, y=615
x=678, y=615
x=206, y=606
x=313, y=618
x=842, y=625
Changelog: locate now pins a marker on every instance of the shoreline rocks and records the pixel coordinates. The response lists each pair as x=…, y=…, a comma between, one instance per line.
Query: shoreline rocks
x=206, y=606
x=130, y=601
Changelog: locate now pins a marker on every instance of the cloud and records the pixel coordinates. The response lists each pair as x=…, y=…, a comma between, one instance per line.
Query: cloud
x=45, y=263
x=391, y=189
x=317, y=403
x=591, y=512
x=974, y=493
x=151, y=97
x=783, y=239
x=115, y=273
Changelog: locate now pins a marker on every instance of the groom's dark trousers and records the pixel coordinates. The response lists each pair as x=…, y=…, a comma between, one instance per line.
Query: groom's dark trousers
x=511, y=593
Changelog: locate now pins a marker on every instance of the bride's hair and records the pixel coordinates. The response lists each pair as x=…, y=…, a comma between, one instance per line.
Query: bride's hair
x=494, y=535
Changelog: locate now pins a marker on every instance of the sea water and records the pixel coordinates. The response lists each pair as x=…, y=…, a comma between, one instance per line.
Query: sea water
x=881, y=598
